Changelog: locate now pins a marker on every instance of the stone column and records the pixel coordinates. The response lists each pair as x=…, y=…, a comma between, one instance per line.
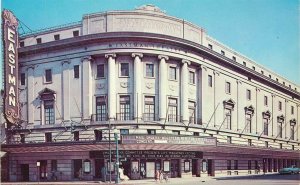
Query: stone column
x=138, y=76
x=184, y=99
x=163, y=80
x=65, y=90
x=111, y=85
x=86, y=102
x=30, y=94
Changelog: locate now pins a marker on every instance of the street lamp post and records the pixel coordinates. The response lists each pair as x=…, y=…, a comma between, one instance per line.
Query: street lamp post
x=117, y=156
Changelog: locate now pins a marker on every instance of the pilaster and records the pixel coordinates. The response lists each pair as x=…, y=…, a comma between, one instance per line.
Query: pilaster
x=111, y=85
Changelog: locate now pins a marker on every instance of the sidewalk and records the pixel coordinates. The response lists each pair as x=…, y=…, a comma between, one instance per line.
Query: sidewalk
x=183, y=181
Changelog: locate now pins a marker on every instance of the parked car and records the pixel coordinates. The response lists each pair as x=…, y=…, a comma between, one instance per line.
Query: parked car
x=290, y=170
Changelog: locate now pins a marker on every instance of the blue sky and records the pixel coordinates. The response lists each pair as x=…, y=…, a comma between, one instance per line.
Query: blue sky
x=266, y=31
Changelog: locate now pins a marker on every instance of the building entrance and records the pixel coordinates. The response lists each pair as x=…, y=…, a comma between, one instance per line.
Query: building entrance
x=77, y=170
x=99, y=164
x=150, y=169
x=174, y=168
x=25, y=172
x=211, y=167
x=43, y=170
x=194, y=167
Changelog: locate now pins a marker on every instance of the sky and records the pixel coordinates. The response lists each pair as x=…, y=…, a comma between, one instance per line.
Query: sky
x=266, y=31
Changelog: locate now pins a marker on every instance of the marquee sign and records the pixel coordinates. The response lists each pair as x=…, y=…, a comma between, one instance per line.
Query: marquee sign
x=10, y=44
x=147, y=154
x=155, y=139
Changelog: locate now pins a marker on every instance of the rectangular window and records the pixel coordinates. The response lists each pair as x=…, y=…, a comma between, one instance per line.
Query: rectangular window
x=48, y=137
x=124, y=131
x=151, y=131
x=176, y=132
x=229, y=139
x=266, y=100
x=280, y=145
x=124, y=69
x=253, y=67
x=22, y=138
x=192, y=112
x=210, y=46
x=209, y=80
x=101, y=108
x=293, y=147
x=292, y=110
x=228, y=87
x=270, y=76
x=227, y=124
x=280, y=105
x=48, y=75
x=23, y=78
x=191, y=77
x=149, y=70
x=234, y=58
x=39, y=40
x=172, y=117
x=124, y=108
x=196, y=134
x=249, y=142
x=149, y=114
x=75, y=33
x=236, y=164
x=228, y=164
x=98, y=135
x=76, y=71
x=100, y=71
x=292, y=132
x=49, y=112
x=56, y=37
x=248, y=123
x=76, y=135
x=222, y=52
x=22, y=44
x=262, y=72
x=54, y=165
x=279, y=129
x=244, y=63
x=248, y=94
x=266, y=127
x=172, y=73
x=266, y=144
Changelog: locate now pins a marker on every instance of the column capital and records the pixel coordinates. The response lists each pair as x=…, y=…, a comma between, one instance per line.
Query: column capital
x=140, y=55
x=183, y=61
x=216, y=72
x=163, y=56
x=87, y=58
x=202, y=67
x=112, y=55
x=273, y=95
x=31, y=67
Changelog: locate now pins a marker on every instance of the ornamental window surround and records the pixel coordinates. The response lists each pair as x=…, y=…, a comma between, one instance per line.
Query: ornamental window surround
x=280, y=121
x=266, y=119
x=249, y=111
x=228, y=108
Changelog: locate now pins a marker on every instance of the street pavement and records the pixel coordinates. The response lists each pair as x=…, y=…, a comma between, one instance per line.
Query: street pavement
x=272, y=179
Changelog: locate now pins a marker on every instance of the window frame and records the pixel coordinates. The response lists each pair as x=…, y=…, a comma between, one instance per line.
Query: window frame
x=23, y=79
x=128, y=70
x=210, y=81
x=98, y=71
x=49, y=113
x=76, y=73
x=192, y=77
x=46, y=80
x=227, y=87
x=248, y=94
x=266, y=100
x=149, y=109
x=146, y=70
x=56, y=37
x=172, y=67
x=101, y=106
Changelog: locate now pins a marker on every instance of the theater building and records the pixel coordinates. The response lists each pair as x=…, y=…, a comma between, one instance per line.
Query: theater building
x=174, y=99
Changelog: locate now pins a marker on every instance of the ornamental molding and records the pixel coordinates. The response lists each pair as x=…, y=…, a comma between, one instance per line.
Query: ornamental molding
x=124, y=84
x=112, y=55
x=160, y=57
x=172, y=87
x=100, y=86
x=10, y=19
x=149, y=85
x=140, y=55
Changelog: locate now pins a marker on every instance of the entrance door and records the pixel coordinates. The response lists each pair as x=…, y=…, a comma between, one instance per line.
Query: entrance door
x=194, y=167
x=25, y=172
x=211, y=167
x=99, y=164
x=150, y=169
x=77, y=164
x=174, y=168
x=43, y=170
